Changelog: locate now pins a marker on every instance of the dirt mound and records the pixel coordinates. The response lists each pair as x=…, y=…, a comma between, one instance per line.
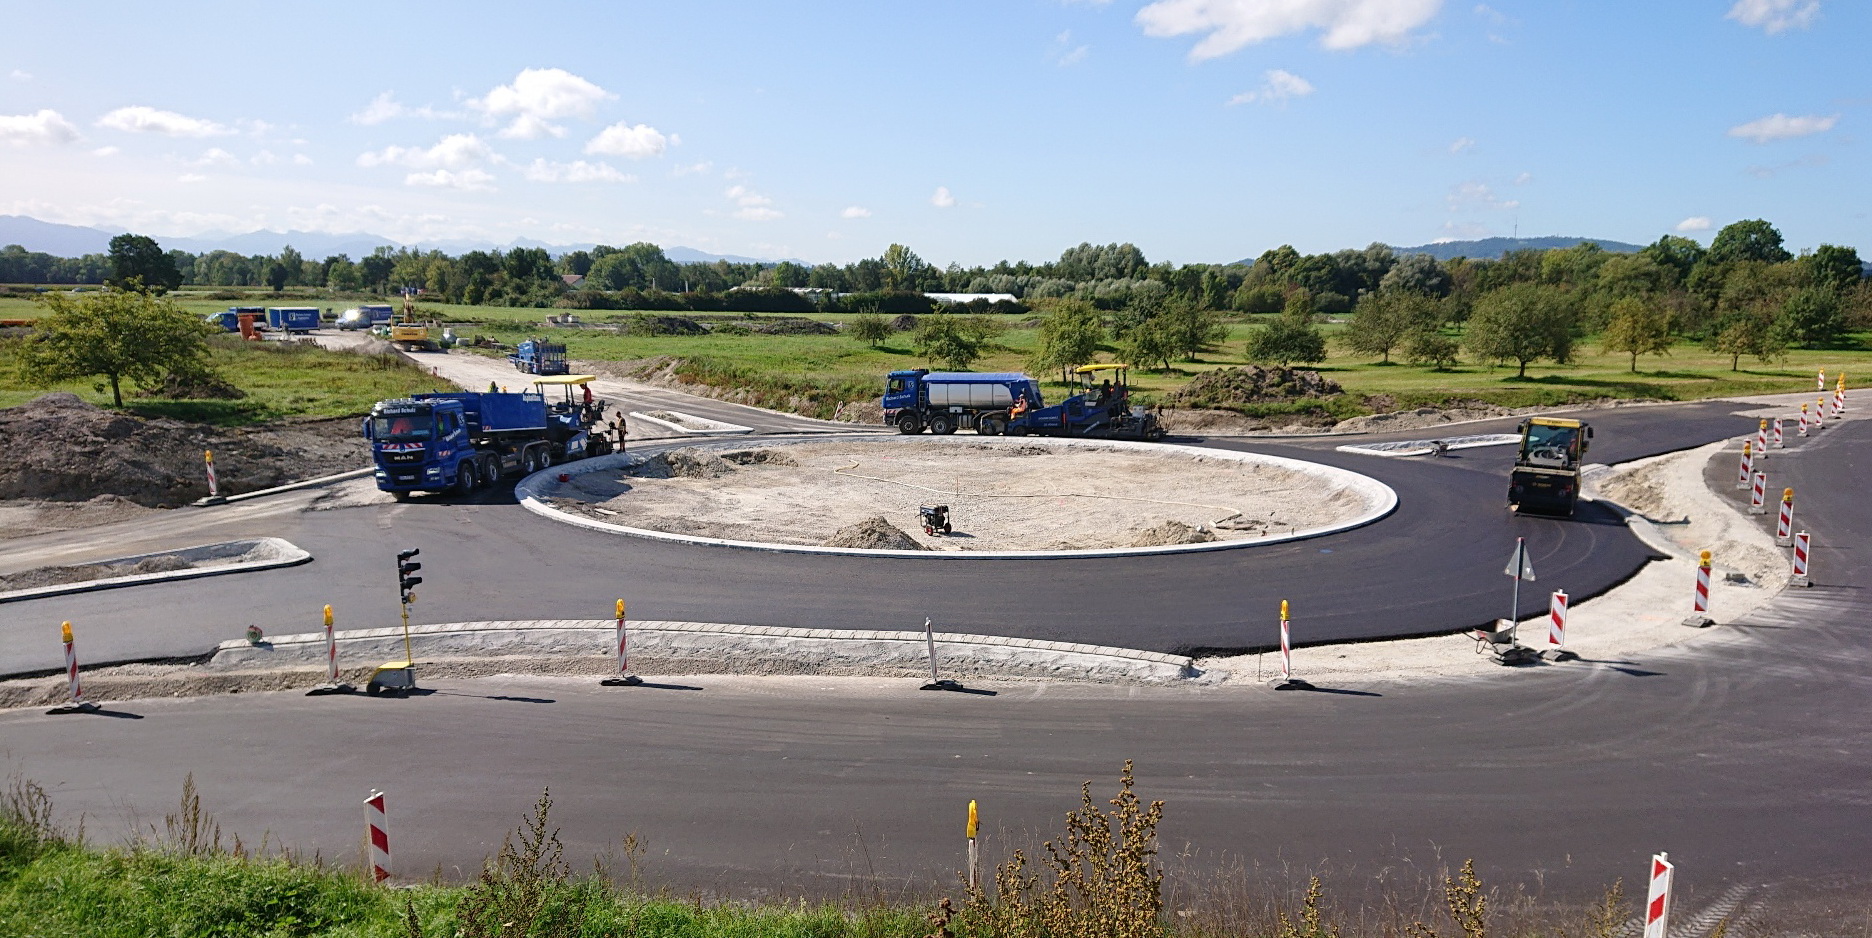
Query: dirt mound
x=873, y=533
x=60, y=448
x=85, y=573
x=904, y=323
x=1172, y=532
x=682, y=464
x=1254, y=385
x=869, y=410
x=792, y=327
x=759, y=457
x=663, y=325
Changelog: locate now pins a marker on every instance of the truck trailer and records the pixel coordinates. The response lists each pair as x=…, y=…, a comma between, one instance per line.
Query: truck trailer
x=540, y=357
x=947, y=401
x=463, y=441
x=292, y=320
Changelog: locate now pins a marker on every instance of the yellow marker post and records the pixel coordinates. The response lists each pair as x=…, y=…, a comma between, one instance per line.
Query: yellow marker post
x=1784, y=525
x=624, y=678
x=973, y=823
x=78, y=704
x=332, y=683
x=1748, y=464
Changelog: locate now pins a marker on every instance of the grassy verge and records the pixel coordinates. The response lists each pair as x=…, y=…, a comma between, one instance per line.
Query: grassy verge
x=281, y=381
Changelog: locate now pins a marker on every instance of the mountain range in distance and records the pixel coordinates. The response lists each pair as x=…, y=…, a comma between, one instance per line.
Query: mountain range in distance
x=78, y=240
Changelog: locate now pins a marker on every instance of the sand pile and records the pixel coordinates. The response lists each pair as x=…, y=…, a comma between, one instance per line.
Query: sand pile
x=1172, y=532
x=873, y=534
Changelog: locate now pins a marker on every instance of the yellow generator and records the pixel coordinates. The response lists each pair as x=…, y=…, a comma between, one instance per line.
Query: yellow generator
x=1546, y=476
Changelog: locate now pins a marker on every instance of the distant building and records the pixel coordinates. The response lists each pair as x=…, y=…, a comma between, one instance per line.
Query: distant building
x=948, y=298
x=572, y=280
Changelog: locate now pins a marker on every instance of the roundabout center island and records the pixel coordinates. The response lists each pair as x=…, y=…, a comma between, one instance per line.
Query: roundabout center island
x=1004, y=496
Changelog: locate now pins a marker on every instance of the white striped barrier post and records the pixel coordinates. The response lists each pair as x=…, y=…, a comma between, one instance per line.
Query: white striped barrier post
x=1820, y=411
x=1556, y=618
x=1820, y=380
x=78, y=702
x=1803, y=425
x=214, y=483
x=624, y=678
x=1761, y=439
x=1748, y=465
x=378, y=831
x=1657, y=901
x=972, y=856
x=1758, y=495
x=1699, y=609
x=333, y=683
x=1287, y=680
x=1780, y=441
x=1784, y=526
x=1801, y=544
x=936, y=681
x=1839, y=396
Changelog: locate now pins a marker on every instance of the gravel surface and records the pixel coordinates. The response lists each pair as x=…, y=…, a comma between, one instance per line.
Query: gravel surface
x=1003, y=494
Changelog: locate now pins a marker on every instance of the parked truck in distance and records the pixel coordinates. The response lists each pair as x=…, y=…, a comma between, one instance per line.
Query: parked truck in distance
x=292, y=320
x=229, y=319
x=946, y=401
x=463, y=441
x=995, y=403
x=540, y=357
x=1546, y=474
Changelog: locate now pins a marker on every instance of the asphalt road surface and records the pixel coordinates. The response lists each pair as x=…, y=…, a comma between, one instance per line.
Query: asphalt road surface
x=1742, y=753
x=1432, y=566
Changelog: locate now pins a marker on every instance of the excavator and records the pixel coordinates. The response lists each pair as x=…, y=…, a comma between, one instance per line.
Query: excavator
x=1546, y=475
x=412, y=336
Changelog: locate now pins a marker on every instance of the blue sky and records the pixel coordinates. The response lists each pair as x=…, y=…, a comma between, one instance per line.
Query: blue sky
x=1200, y=130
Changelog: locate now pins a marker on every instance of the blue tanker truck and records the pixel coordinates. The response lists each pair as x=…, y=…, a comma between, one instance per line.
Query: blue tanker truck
x=993, y=403
x=466, y=440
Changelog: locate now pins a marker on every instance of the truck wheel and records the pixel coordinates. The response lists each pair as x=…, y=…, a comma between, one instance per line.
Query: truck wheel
x=491, y=471
x=908, y=424
x=465, y=481
x=1017, y=430
x=941, y=424
x=990, y=426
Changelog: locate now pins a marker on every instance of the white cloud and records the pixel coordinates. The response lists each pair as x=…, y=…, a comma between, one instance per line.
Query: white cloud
x=263, y=158
x=141, y=119
x=454, y=151
x=751, y=205
x=693, y=169
x=744, y=196
x=1230, y=25
x=1279, y=86
x=855, y=211
x=386, y=107
x=539, y=96
x=1524, y=179
x=43, y=127
x=1696, y=223
x=622, y=139
x=1065, y=53
x=1774, y=16
x=758, y=213
x=20, y=75
x=1478, y=195
x=576, y=171
x=1075, y=56
x=105, y=151
x=1783, y=127
x=1461, y=145
x=215, y=156
x=300, y=159
x=470, y=180
x=941, y=198
x=191, y=177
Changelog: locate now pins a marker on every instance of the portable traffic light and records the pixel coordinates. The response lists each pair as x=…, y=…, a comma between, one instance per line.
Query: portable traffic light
x=406, y=566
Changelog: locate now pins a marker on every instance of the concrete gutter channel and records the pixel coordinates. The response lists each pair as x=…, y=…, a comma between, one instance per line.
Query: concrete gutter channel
x=267, y=553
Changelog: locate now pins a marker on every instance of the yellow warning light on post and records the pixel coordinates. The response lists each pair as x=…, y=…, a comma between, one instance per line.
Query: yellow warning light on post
x=208, y=454
x=328, y=619
x=1704, y=558
x=1283, y=610
x=1747, y=447
x=1764, y=423
x=65, y=632
x=973, y=821
x=620, y=608
x=1787, y=494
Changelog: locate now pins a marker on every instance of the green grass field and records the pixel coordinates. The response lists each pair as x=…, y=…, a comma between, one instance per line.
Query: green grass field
x=813, y=374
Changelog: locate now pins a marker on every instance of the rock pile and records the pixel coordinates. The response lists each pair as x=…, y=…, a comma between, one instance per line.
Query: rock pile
x=1254, y=385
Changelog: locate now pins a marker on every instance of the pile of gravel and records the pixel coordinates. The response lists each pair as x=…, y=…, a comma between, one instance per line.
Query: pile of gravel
x=1172, y=532
x=682, y=464
x=85, y=573
x=759, y=457
x=873, y=533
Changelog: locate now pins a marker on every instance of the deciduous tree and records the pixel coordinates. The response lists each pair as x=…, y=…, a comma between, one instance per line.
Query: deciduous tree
x=117, y=335
x=1522, y=323
x=1637, y=327
x=138, y=259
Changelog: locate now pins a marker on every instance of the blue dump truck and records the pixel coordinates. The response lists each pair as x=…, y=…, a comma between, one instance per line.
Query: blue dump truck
x=292, y=320
x=229, y=319
x=460, y=442
x=995, y=403
x=540, y=357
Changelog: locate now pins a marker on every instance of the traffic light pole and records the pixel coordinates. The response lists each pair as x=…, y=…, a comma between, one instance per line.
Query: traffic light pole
x=400, y=676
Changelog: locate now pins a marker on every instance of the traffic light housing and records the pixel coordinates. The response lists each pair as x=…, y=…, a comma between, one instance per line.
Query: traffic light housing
x=406, y=567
